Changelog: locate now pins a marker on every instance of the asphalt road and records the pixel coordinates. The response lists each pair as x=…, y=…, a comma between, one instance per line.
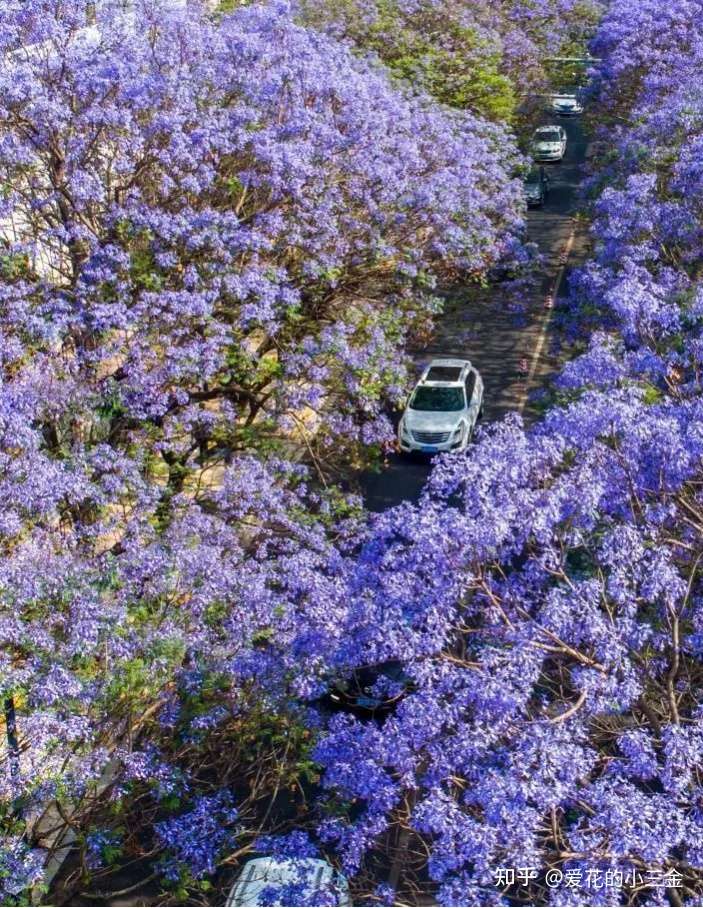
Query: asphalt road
x=510, y=345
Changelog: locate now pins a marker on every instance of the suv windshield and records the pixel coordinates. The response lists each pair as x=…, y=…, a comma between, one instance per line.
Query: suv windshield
x=439, y=400
x=533, y=178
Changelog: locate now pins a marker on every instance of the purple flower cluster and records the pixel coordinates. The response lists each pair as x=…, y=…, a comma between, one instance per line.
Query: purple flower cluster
x=102, y=846
x=20, y=869
x=195, y=840
x=288, y=847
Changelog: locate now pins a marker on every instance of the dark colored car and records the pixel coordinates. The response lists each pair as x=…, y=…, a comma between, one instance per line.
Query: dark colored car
x=536, y=187
x=374, y=690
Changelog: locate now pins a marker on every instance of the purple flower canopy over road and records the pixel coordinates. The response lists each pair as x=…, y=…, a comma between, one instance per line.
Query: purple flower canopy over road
x=216, y=227
x=545, y=595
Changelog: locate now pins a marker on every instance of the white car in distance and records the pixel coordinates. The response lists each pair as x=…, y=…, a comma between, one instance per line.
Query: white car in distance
x=443, y=408
x=549, y=144
x=566, y=105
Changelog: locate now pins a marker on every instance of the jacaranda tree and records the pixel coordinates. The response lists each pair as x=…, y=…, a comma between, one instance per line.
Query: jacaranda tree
x=217, y=234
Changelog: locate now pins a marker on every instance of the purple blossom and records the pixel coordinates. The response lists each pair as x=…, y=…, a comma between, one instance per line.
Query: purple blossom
x=196, y=839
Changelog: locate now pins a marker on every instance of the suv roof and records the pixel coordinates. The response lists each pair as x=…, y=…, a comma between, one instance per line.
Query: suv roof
x=445, y=372
x=260, y=873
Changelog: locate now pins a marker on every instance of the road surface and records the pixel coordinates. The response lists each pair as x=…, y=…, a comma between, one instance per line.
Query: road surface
x=511, y=348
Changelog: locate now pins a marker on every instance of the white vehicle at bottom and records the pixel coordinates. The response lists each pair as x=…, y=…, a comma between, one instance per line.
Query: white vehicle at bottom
x=443, y=409
x=262, y=879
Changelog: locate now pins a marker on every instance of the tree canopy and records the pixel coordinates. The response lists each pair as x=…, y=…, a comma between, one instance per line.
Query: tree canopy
x=218, y=234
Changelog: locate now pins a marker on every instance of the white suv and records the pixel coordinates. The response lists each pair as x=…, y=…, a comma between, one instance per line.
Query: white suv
x=443, y=409
x=549, y=144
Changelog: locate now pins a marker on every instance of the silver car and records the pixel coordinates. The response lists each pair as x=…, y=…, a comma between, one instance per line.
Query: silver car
x=549, y=144
x=566, y=105
x=443, y=408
